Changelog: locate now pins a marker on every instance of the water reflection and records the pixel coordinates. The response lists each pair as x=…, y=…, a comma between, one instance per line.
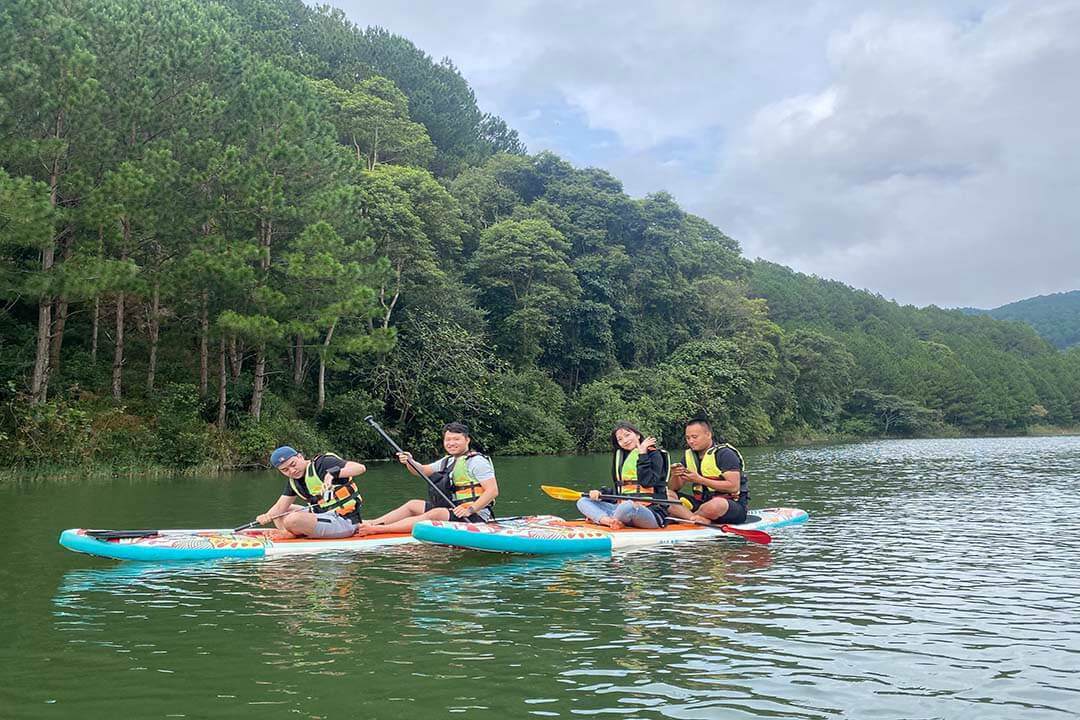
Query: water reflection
x=911, y=593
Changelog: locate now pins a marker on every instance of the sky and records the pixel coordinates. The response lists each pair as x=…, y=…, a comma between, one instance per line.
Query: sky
x=926, y=151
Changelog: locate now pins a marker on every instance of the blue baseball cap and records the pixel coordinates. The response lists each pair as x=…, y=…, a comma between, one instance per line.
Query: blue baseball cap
x=282, y=454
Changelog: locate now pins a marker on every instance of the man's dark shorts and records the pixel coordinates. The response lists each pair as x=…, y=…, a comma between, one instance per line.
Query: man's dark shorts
x=736, y=512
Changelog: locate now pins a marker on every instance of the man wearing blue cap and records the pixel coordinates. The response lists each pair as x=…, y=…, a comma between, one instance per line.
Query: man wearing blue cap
x=326, y=484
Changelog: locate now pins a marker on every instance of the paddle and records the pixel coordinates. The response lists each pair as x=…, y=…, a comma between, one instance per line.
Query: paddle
x=131, y=534
x=561, y=493
x=370, y=420
x=756, y=536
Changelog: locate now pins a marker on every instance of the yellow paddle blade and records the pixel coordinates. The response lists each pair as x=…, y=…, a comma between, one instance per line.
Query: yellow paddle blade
x=561, y=493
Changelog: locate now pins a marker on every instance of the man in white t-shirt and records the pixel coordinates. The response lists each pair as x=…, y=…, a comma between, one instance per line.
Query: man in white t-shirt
x=466, y=482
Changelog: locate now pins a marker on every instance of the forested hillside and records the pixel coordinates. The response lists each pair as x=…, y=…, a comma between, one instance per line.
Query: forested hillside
x=226, y=225
x=1056, y=317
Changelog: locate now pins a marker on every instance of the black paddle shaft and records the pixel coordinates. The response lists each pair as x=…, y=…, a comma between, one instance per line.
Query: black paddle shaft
x=370, y=420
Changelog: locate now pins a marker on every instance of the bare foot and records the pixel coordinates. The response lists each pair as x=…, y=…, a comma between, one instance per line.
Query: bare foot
x=366, y=529
x=280, y=534
x=616, y=524
x=701, y=519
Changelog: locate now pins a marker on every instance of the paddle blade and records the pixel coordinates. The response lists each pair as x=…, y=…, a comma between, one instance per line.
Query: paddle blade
x=561, y=493
x=755, y=536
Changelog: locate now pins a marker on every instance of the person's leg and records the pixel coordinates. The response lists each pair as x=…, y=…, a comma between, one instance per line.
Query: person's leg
x=680, y=510
x=735, y=514
x=598, y=511
x=712, y=510
x=633, y=515
x=283, y=532
x=409, y=509
x=404, y=525
x=332, y=525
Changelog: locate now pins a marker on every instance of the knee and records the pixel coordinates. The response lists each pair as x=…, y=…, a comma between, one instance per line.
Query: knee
x=582, y=503
x=623, y=510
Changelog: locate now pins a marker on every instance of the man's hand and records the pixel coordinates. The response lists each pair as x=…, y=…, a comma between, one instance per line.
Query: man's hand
x=463, y=510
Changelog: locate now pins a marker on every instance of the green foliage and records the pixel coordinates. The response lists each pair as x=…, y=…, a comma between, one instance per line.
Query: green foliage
x=322, y=216
x=342, y=422
x=183, y=436
x=1056, y=316
x=529, y=415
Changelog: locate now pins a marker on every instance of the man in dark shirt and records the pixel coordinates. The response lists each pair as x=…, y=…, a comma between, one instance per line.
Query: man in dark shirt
x=715, y=475
x=326, y=484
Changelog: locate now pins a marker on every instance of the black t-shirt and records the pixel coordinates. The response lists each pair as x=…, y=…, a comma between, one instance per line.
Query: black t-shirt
x=323, y=465
x=727, y=459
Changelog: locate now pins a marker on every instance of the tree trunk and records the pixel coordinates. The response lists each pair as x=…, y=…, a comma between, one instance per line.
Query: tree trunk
x=236, y=358
x=222, y=355
x=257, y=385
x=204, y=345
x=388, y=306
x=118, y=352
x=154, y=331
x=94, y=330
x=322, y=365
x=60, y=317
x=39, y=383
x=298, y=362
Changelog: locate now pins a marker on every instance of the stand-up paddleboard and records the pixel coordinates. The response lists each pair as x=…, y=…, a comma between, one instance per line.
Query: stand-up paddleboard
x=157, y=545
x=578, y=536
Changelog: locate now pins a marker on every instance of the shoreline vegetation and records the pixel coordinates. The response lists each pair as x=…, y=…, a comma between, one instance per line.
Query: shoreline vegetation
x=227, y=226
x=104, y=471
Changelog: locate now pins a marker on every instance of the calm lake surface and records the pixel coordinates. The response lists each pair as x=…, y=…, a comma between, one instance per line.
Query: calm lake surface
x=935, y=579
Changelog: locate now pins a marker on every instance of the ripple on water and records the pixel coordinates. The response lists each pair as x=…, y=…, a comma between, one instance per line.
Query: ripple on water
x=936, y=579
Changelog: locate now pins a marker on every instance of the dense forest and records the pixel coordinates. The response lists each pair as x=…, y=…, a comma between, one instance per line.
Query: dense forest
x=226, y=225
x=1056, y=316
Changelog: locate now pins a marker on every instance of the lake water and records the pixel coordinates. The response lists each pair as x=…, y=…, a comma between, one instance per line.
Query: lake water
x=935, y=579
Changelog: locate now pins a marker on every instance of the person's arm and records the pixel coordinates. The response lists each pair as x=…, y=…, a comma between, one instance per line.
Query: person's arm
x=351, y=469
x=650, y=465
x=491, y=491
x=731, y=474
x=405, y=457
x=283, y=504
x=484, y=473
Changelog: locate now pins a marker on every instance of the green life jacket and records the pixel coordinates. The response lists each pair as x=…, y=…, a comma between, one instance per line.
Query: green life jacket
x=624, y=474
x=708, y=468
x=343, y=498
x=464, y=488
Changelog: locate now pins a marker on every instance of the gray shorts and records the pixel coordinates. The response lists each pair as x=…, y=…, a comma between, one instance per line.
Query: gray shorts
x=332, y=525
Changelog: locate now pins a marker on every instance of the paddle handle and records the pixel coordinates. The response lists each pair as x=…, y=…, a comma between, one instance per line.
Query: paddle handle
x=256, y=523
x=638, y=498
x=370, y=420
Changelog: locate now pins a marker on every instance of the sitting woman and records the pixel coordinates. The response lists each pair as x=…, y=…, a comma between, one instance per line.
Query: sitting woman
x=638, y=469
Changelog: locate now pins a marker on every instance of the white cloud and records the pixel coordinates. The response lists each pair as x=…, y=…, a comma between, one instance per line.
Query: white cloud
x=926, y=150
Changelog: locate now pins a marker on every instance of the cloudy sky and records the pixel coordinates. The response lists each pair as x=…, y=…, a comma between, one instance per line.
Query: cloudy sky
x=928, y=151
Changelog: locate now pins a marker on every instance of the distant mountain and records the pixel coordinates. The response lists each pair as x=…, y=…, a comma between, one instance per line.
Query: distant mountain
x=1056, y=317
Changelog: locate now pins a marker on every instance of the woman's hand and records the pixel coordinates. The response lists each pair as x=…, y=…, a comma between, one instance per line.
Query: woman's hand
x=404, y=457
x=594, y=495
x=647, y=445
